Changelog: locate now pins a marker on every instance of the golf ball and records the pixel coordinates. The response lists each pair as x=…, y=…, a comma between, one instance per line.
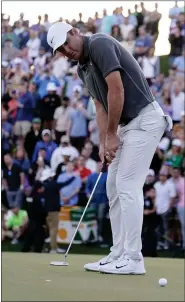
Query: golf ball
x=163, y=282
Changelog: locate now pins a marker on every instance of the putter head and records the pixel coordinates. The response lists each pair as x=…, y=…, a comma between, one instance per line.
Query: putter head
x=59, y=263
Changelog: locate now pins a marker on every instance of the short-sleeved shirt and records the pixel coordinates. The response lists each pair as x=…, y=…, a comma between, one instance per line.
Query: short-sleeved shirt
x=12, y=177
x=103, y=55
x=17, y=220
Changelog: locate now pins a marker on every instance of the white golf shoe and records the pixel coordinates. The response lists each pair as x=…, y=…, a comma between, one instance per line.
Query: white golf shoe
x=95, y=266
x=124, y=266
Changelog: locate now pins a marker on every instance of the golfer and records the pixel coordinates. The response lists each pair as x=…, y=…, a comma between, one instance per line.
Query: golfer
x=131, y=124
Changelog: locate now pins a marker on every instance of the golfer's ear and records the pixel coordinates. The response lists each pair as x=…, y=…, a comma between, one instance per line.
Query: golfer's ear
x=74, y=31
x=114, y=81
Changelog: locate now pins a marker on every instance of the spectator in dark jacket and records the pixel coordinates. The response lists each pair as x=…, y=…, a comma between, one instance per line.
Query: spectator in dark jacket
x=48, y=105
x=176, y=41
x=45, y=143
x=32, y=137
x=52, y=204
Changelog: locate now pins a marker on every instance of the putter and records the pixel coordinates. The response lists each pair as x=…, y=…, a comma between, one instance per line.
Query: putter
x=65, y=263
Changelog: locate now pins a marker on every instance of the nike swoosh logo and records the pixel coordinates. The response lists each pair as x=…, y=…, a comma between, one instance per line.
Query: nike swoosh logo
x=105, y=263
x=121, y=266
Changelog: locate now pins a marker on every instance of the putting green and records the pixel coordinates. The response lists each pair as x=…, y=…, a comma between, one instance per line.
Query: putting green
x=29, y=277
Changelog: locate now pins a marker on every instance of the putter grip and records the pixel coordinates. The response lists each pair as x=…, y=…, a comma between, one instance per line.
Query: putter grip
x=104, y=168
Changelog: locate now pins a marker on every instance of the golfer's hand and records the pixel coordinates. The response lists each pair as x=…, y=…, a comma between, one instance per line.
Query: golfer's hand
x=112, y=143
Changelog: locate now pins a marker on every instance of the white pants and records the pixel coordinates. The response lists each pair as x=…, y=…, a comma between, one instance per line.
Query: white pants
x=126, y=177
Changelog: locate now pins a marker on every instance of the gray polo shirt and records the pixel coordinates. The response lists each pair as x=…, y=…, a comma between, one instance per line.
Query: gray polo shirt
x=103, y=55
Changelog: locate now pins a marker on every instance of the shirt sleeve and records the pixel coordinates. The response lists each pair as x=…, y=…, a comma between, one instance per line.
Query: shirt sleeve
x=105, y=53
x=172, y=190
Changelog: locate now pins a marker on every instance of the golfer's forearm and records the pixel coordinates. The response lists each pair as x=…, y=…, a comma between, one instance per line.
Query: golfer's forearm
x=102, y=121
x=115, y=107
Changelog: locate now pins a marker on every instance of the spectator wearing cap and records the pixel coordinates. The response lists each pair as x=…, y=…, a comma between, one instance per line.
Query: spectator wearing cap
x=25, y=112
x=158, y=157
x=149, y=182
x=17, y=73
x=174, y=157
x=165, y=200
x=178, y=102
x=33, y=45
x=77, y=91
x=42, y=80
x=69, y=194
x=18, y=223
x=6, y=132
x=150, y=222
x=65, y=149
x=32, y=137
x=46, y=143
x=61, y=119
x=78, y=126
x=48, y=105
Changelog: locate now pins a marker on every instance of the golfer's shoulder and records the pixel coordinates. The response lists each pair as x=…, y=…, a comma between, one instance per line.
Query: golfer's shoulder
x=100, y=40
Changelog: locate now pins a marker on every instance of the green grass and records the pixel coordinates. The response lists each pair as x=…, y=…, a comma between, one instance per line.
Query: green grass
x=29, y=277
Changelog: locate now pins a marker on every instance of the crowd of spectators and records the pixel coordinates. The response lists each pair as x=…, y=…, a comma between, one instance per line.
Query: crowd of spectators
x=50, y=137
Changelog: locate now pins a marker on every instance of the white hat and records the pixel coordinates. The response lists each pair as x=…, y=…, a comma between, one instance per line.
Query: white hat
x=77, y=88
x=4, y=64
x=17, y=61
x=57, y=34
x=47, y=173
x=151, y=172
x=65, y=139
x=164, y=144
x=176, y=142
x=46, y=131
x=51, y=87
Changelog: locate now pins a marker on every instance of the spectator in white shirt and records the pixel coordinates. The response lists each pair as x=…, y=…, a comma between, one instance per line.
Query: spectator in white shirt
x=46, y=22
x=62, y=119
x=129, y=44
x=59, y=65
x=177, y=101
x=33, y=45
x=40, y=61
x=126, y=28
x=165, y=199
x=65, y=149
x=150, y=65
x=173, y=15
